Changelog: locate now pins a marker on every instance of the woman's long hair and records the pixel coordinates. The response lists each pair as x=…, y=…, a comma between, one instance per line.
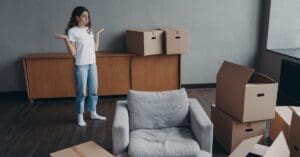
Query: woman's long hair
x=73, y=21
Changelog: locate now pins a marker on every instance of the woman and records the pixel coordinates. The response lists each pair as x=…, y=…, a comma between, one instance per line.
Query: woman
x=80, y=42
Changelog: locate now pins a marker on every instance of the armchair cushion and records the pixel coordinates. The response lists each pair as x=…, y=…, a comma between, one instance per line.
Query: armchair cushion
x=153, y=110
x=166, y=142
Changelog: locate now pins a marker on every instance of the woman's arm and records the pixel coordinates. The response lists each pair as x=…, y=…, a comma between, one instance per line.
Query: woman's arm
x=71, y=47
x=97, y=38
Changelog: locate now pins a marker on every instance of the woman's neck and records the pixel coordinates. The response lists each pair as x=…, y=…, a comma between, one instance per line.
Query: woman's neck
x=80, y=25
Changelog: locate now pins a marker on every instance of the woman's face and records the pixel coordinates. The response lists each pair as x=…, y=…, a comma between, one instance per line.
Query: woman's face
x=83, y=19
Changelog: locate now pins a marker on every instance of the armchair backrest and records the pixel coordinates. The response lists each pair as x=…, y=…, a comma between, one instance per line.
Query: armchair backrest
x=154, y=110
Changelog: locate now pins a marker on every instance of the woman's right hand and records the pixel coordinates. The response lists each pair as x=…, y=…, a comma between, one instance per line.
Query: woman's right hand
x=60, y=36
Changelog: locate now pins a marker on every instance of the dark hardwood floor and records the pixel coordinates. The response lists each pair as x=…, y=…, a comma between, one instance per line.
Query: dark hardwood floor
x=35, y=130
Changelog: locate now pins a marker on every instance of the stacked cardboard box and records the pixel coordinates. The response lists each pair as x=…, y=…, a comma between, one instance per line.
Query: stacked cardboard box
x=230, y=132
x=287, y=120
x=244, y=101
x=152, y=41
x=176, y=41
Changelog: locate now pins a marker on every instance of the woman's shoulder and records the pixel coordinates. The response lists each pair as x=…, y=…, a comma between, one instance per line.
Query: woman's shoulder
x=73, y=29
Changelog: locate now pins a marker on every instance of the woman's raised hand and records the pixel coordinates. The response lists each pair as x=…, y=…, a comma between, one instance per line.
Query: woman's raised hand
x=99, y=31
x=60, y=36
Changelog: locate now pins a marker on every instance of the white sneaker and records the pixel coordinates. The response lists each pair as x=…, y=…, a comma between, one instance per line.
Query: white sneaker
x=80, y=119
x=94, y=115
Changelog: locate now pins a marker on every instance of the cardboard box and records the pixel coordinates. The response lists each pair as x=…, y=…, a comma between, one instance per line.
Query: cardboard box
x=144, y=41
x=244, y=94
x=294, y=135
x=176, y=41
x=248, y=147
x=88, y=149
x=230, y=132
x=282, y=122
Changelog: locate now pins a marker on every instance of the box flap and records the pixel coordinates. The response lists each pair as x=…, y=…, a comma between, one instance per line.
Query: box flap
x=285, y=113
x=295, y=109
x=259, y=149
x=231, y=82
x=88, y=149
x=260, y=78
x=245, y=147
x=234, y=73
x=279, y=147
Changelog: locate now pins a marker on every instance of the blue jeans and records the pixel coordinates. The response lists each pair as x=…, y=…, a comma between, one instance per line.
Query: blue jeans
x=86, y=81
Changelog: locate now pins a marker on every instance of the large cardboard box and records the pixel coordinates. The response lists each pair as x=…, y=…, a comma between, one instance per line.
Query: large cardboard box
x=176, y=41
x=244, y=94
x=282, y=122
x=230, y=132
x=144, y=41
x=294, y=135
x=250, y=147
x=88, y=149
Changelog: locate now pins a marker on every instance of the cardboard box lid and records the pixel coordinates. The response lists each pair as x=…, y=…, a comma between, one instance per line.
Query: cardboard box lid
x=176, y=30
x=279, y=148
x=88, y=149
x=145, y=30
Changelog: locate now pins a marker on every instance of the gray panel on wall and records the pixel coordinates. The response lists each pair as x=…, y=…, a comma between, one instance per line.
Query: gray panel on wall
x=219, y=30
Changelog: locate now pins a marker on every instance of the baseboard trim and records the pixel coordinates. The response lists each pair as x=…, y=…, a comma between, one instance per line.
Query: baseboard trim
x=202, y=85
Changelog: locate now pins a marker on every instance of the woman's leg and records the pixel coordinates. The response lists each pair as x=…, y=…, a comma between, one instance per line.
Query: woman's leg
x=92, y=98
x=81, y=74
x=92, y=83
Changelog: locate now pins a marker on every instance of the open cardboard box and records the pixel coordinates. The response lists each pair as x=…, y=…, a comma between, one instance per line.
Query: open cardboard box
x=294, y=135
x=230, y=132
x=282, y=122
x=250, y=147
x=244, y=94
x=88, y=149
x=144, y=41
x=176, y=41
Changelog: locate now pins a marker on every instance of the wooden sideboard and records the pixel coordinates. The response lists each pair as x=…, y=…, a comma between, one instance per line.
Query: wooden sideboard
x=51, y=75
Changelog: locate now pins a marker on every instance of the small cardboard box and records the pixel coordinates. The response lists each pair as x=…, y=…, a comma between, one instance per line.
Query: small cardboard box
x=144, y=41
x=176, y=41
x=248, y=147
x=282, y=122
x=244, y=94
x=294, y=135
x=88, y=149
x=230, y=132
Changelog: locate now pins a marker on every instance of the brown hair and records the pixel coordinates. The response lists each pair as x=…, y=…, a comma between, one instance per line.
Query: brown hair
x=73, y=21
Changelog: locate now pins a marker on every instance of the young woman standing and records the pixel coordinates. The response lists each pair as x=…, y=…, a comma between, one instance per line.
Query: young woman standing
x=80, y=42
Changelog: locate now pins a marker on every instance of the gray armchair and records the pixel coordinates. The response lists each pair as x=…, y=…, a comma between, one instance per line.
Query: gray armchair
x=161, y=124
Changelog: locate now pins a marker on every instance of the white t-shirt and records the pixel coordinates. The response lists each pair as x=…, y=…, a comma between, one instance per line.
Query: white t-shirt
x=85, y=45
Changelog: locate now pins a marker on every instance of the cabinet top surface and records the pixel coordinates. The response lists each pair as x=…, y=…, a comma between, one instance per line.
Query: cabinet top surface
x=67, y=55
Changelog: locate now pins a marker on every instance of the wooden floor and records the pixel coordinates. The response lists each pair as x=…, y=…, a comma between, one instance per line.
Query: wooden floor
x=35, y=130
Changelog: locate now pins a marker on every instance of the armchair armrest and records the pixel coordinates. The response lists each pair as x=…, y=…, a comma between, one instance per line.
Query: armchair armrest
x=120, y=128
x=201, y=125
